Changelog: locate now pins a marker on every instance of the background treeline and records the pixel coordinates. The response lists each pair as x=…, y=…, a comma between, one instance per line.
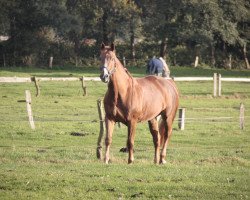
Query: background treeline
x=213, y=33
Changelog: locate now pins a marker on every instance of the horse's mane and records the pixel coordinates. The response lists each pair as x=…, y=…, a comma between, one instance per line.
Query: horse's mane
x=125, y=69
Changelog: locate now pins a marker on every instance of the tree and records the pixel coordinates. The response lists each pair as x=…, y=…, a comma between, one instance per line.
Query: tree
x=26, y=21
x=238, y=14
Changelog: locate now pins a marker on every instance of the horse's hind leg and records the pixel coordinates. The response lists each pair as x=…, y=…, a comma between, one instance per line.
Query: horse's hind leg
x=166, y=132
x=153, y=126
x=109, y=131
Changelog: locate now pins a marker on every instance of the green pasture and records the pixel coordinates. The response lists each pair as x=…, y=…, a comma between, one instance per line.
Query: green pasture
x=210, y=159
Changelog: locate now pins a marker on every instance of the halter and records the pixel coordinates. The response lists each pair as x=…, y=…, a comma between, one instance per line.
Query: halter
x=110, y=72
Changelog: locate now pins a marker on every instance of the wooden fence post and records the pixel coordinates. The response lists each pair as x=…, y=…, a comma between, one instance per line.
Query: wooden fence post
x=29, y=111
x=219, y=85
x=84, y=86
x=124, y=61
x=215, y=84
x=181, y=119
x=102, y=128
x=242, y=116
x=37, y=86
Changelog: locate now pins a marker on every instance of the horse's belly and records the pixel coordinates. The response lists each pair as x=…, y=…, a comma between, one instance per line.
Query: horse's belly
x=150, y=113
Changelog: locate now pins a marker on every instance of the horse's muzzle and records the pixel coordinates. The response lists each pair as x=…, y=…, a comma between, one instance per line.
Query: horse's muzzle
x=104, y=78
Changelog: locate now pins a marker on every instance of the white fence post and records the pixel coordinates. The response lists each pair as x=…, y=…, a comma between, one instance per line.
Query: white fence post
x=219, y=85
x=181, y=119
x=215, y=84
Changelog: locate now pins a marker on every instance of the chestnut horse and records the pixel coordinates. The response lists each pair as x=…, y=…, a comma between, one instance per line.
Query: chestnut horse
x=131, y=100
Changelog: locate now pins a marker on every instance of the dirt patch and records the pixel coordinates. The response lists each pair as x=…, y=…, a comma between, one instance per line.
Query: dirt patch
x=78, y=134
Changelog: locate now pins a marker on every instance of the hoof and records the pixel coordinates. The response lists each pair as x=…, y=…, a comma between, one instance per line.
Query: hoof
x=124, y=150
x=156, y=162
x=106, y=161
x=99, y=153
x=163, y=161
x=130, y=161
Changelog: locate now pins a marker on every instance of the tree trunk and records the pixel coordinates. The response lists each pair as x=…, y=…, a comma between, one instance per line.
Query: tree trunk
x=51, y=62
x=196, y=62
x=77, y=48
x=197, y=54
x=104, y=28
x=4, y=60
x=13, y=45
x=174, y=61
x=212, y=55
x=230, y=62
x=225, y=58
x=163, y=49
x=132, y=45
x=76, y=55
x=245, y=56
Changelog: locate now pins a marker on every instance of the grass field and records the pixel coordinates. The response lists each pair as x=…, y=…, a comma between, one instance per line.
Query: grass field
x=210, y=159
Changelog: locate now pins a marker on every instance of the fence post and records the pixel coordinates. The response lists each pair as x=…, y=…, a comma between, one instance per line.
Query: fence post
x=242, y=116
x=124, y=61
x=84, y=86
x=29, y=111
x=37, y=86
x=219, y=85
x=102, y=128
x=215, y=84
x=181, y=119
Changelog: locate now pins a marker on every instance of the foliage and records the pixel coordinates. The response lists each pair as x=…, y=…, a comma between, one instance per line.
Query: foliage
x=40, y=29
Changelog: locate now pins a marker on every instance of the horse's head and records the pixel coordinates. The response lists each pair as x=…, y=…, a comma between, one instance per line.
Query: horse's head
x=108, y=64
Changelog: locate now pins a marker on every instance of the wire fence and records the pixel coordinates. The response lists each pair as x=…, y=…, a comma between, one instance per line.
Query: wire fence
x=63, y=115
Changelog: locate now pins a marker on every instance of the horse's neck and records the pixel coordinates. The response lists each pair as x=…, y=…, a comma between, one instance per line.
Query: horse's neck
x=121, y=81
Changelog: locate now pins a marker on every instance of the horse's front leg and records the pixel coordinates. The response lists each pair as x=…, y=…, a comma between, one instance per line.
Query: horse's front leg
x=109, y=132
x=130, y=141
x=153, y=126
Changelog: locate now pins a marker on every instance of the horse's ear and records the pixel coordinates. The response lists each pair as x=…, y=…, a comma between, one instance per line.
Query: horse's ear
x=112, y=47
x=102, y=46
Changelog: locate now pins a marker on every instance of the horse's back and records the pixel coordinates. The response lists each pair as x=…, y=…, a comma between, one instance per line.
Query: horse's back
x=159, y=84
x=158, y=94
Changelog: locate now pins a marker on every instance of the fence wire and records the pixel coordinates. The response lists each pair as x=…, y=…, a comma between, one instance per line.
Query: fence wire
x=94, y=120
x=20, y=115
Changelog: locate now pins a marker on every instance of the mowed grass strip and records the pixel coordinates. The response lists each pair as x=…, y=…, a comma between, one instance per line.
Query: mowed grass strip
x=176, y=71
x=208, y=160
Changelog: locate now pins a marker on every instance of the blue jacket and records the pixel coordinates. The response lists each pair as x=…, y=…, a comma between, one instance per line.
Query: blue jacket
x=154, y=66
